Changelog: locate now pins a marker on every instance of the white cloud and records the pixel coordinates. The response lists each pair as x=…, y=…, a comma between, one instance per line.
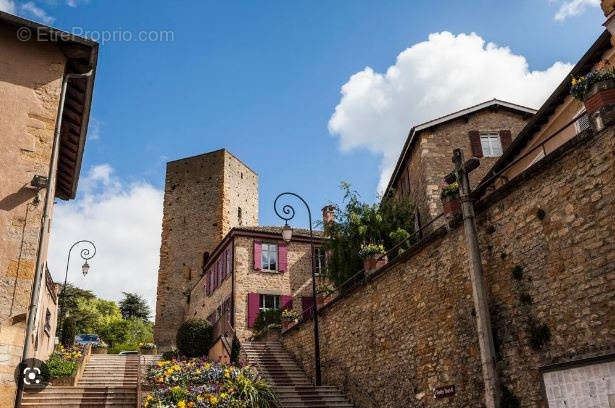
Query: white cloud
x=430, y=79
x=124, y=221
x=95, y=128
x=574, y=7
x=32, y=9
x=8, y=6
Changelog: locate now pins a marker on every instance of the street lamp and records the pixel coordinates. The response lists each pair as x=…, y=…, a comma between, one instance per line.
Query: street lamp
x=288, y=213
x=85, y=268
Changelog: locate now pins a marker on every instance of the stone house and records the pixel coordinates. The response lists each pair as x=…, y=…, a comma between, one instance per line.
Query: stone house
x=253, y=269
x=35, y=62
x=215, y=260
x=484, y=131
x=407, y=337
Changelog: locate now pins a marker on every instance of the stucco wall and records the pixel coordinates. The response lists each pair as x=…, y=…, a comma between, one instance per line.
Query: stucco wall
x=30, y=80
x=411, y=328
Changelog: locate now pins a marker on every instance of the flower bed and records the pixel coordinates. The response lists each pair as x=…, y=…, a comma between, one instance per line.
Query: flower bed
x=198, y=383
x=63, y=364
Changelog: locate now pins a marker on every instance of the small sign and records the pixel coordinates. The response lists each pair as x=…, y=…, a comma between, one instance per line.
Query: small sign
x=443, y=392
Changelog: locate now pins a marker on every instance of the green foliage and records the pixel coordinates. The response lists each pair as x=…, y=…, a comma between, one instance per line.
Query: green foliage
x=368, y=250
x=133, y=306
x=256, y=392
x=450, y=190
x=69, y=300
x=517, y=273
x=194, y=337
x=289, y=315
x=170, y=355
x=69, y=331
x=509, y=400
x=389, y=223
x=267, y=317
x=581, y=86
x=56, y=367
x=125, y=335
x=235, y=350
x=119, y=347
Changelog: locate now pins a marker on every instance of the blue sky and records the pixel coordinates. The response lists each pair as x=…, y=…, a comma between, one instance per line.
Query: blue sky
x=264, y=80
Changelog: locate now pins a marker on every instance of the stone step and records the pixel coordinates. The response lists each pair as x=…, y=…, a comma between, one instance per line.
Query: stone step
x=76, y=400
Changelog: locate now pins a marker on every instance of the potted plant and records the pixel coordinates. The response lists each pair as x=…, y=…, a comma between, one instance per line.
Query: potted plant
x=374, y=257
x=597, y=91
x=325, y=295
x=147, y=348
x=289, y=318
x=99, y=347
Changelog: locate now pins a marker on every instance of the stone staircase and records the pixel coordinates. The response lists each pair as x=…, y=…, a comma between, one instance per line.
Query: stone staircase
x=107, y=381
x=292, y=386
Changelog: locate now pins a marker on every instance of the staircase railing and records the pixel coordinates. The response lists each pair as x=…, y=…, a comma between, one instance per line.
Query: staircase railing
x=139, y=381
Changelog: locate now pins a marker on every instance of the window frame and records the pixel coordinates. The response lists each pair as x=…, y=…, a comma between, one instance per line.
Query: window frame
x=489, y=136
x=266, y=253
x=262, y=301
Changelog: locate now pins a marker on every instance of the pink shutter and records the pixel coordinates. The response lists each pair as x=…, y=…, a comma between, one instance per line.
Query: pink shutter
x=216, y=275
x=207, y=288
x=258, y=255
x=306, y=307
x=253, y=306
x=287, y=301
x=282, y=257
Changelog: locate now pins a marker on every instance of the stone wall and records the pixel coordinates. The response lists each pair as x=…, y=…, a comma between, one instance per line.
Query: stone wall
x=430, y=159
x=410, y=328
x=30, y=81
x=202, y=195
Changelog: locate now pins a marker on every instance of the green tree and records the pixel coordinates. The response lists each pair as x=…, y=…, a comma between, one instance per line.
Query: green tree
x=133, y=306
x=69, y=302
x=390, y=223
x=194, y=337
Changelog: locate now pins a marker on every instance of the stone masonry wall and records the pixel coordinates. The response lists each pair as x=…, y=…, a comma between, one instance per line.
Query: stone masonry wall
x=30, y=81
x=431, y=156
x=410, y=328
x=296, y=280
x=202, y=194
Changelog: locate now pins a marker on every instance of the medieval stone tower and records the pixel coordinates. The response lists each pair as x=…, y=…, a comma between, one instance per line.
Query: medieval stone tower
x=205, y=196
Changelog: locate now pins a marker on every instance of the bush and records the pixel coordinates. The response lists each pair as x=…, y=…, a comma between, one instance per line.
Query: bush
x=194, y=337
x=267, y=317
x=235, y=349
x=63, y=362
x=69, y=331
x=170, y=355
x=117, y=347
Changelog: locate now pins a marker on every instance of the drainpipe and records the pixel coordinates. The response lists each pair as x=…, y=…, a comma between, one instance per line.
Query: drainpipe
x=45, y=221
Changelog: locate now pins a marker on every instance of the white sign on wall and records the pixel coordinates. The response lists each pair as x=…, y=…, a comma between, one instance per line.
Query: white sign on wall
x=588, y=386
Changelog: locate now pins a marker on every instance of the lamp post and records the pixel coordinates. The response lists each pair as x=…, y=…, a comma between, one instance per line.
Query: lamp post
x=288, y=213
x=85, y=268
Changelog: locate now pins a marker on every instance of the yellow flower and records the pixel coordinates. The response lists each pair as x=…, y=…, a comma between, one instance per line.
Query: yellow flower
x=223, y=395
x=181, y=404
x=213, y=400
x=197, y=372
x=191, y=404
x=199, y=397
x=574, y=81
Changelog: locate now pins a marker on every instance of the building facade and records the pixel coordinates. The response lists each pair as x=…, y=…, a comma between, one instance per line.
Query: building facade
x=484, y=131
x=32, y=74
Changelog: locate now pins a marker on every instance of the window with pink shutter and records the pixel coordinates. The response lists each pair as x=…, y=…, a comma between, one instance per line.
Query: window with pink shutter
x=307, y=304
x=258, y=255
x=282, y=257
x=286, y=301
x=253, y=306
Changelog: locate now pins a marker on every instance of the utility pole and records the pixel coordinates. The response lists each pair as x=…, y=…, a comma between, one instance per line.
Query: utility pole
x=479, y=291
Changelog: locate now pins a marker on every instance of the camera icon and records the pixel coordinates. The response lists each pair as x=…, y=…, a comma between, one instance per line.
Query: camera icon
x=32, y=375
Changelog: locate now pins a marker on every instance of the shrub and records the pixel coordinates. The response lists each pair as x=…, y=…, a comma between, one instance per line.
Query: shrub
x=69, y=330
x=170, y=354
x=194, y=337
x=118, y=347
x=369, y=250
x=290, y=315
x=267, y=317
x=235, y=350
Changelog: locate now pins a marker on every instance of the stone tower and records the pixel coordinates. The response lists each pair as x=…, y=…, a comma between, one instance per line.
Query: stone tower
x=204, y=197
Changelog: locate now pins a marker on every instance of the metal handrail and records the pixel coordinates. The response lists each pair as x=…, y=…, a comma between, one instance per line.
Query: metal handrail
x=139, y=381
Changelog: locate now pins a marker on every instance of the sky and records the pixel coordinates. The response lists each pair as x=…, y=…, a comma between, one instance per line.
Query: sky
x=307, y=93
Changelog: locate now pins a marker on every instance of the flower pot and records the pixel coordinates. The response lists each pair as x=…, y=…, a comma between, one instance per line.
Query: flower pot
x=600, y=104
x=374, y=262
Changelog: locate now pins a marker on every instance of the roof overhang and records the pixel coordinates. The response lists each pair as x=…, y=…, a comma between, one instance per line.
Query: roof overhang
x=491, y=104
x=81, y=57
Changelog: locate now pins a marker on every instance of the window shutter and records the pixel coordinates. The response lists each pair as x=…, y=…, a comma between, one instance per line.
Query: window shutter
x=216, y=275
x=287, y=301
x=282, y=257
x=253, y=306
x=477, y=149
x=223, y=265
x=505, y=139
x=258, y=255
x=306, y=307
x=230, y=251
